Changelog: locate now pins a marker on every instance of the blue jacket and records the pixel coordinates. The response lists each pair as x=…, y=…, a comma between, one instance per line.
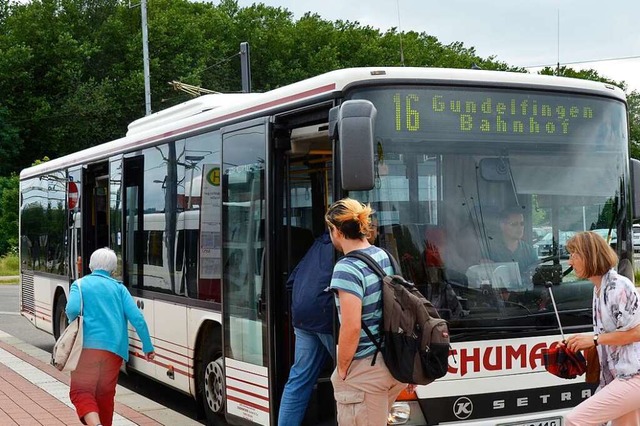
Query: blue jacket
x=107, y=307
x=312, y=304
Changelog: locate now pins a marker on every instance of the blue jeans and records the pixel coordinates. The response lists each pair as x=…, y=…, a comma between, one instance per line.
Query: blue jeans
x=311, y=353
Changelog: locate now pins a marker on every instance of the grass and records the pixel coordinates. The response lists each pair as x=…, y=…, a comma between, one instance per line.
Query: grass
x=9, y=266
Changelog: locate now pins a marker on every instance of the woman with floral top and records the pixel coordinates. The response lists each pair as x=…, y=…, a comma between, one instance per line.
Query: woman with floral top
x=616, y=335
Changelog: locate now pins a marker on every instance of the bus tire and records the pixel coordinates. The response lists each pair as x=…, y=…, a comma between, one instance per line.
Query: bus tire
x=210, y=384
x=60, y=321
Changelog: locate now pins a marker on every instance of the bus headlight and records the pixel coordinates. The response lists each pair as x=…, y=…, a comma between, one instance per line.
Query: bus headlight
x=399, y=413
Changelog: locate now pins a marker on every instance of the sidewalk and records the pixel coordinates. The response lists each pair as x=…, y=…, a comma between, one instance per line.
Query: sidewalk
x=32, y=392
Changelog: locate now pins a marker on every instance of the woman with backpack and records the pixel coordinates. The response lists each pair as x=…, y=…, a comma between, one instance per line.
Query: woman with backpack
x=364, y=390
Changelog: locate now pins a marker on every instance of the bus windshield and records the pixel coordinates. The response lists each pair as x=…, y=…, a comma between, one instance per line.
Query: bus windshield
x=477, y=191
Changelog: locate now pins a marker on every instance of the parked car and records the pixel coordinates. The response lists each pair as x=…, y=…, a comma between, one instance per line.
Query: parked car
x=539, y=232
x=636, y=237
x=544, y=246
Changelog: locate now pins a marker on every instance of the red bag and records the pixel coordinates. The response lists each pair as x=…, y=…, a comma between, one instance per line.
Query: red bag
x=560, y=361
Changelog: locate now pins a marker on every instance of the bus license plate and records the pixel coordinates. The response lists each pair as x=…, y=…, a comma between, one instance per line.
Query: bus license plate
x=551, y=421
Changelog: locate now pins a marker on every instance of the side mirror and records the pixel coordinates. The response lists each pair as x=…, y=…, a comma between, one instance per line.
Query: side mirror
x=635, y=184
x=352, y=124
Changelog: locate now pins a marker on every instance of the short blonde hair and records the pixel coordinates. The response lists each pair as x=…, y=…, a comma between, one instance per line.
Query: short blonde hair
x=598, y=256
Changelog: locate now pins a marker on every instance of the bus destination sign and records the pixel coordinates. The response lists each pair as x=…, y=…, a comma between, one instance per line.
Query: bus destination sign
x=474, y=114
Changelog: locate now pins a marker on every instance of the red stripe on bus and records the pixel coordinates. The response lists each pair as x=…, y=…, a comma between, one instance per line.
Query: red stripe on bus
x=255, y=395
x=250, y=404
x=162, y=347
x=249, y=383
x=159, y=364
x=245, y=371
x=158, y=354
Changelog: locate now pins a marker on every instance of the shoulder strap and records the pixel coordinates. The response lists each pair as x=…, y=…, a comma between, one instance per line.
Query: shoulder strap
x=375, y=267
x=394, y=262
x=80, y=291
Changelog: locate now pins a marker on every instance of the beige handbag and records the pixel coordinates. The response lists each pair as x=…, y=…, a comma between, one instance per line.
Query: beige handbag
x=67, y=350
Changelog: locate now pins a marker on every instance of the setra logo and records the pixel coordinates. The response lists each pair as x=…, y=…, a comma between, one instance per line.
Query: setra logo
x=462, y=408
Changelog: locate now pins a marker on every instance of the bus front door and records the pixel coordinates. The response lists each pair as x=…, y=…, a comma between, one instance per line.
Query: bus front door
x=304, y=177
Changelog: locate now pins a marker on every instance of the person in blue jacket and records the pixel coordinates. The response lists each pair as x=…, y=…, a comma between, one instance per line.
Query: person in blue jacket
x=107, y=306
x=312, y=310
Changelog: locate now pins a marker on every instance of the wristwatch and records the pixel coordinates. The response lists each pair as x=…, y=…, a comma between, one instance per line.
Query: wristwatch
x=595, y=340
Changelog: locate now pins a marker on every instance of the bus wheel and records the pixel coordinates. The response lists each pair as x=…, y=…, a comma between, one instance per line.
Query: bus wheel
x=211, y=385
x=60, y=321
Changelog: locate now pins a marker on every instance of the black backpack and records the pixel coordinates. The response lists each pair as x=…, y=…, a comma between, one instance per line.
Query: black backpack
x=413, y=340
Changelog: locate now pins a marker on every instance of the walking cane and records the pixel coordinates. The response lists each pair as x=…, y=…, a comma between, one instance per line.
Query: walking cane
x=559, y=360
x=549, y=285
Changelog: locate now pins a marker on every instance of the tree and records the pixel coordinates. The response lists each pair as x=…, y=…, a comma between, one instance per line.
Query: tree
x=71, y=71
x=634, y=123
x=9, y=204
x=10, y=143
x=583, y=74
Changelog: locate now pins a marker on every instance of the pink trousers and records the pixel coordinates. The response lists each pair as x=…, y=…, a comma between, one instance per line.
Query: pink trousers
x=619, y=402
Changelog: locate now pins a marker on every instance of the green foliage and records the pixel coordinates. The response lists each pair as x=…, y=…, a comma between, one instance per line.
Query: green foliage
x=40, y=161
x=590, y=74
x=634, y=123
x=538, y=215
x=9, y=204
x=10, y=143
x=71, y=70
x=606, y=215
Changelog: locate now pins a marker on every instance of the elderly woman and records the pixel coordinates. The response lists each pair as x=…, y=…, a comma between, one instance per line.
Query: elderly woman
x=616, y=333
x=107, y=306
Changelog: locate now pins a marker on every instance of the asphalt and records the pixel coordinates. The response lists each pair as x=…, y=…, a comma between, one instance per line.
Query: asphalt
x=32, y=392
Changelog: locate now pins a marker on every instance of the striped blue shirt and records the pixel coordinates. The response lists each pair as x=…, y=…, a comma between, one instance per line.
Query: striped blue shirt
x=355, y=277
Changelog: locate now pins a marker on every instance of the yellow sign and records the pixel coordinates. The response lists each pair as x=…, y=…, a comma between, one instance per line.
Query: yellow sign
x=213, y=177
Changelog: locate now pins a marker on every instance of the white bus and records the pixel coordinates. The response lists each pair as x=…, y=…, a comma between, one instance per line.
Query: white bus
x=210, y=204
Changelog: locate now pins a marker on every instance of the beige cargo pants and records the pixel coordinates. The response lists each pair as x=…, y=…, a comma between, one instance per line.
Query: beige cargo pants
x=367, y=393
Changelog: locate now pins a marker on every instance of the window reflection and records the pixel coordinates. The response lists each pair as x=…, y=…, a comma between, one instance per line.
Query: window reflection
x=43, y=224
x=243, y=212
x=180, y=248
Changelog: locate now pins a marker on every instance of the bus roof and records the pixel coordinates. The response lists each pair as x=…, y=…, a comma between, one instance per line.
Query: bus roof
x=216, y=109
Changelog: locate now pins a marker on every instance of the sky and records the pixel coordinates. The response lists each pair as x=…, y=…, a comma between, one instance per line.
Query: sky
x=521, y=33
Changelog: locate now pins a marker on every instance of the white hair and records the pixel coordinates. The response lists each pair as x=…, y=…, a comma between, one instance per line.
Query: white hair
x=103, y=259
